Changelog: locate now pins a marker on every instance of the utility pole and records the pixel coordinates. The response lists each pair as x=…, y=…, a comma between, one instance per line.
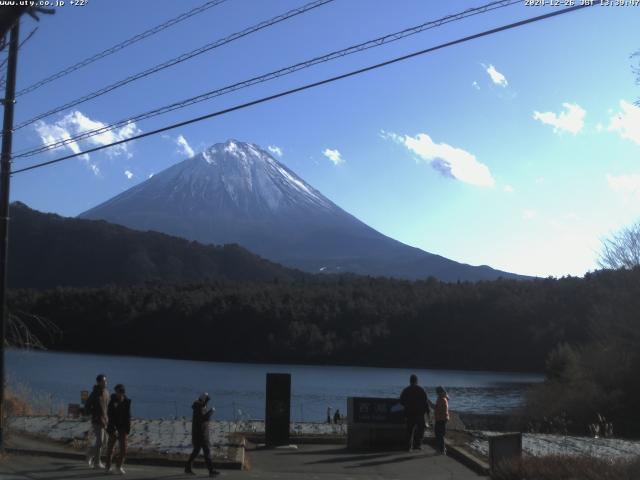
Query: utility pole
x=5, y=176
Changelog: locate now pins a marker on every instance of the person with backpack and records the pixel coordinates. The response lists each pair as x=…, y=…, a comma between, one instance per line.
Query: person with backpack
x=200, y=434
x=118, y=427
x=96, y=406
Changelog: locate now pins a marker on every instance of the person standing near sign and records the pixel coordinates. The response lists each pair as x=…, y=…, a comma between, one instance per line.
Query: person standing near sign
x=96, y=406
x=200, y=434
x=441, y=415
x=416, y=406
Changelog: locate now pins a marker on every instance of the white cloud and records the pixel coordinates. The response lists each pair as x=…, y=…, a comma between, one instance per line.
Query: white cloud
x=529, y=214
x=509, y=189
x=55, y=132
x=496, y=77
x=571, y=120
x=475, y=85
x=626, y=122
x=539, y=180
x=150, y=175
x=76, y=123
x=128, y=174
x=626, y=184
x=334, y=155
x=450, y=161
x=275, y=150
x=183, y=147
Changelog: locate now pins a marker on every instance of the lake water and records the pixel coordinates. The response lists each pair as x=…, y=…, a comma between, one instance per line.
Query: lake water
x=166, y=388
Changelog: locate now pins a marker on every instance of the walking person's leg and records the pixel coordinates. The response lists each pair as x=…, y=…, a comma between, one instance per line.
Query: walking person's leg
x=410, y=428
x=418, y=434
x=439, y=430
x=101, y=434
x=192, y=457
x=91, y=450
x=122, y=441
x=207, y=459
x=110, y=446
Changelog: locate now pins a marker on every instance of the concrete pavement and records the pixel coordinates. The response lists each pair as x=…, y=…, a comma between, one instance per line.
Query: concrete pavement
x=314, y=462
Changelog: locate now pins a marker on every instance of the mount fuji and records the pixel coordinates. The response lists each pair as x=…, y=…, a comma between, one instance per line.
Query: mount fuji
x=235, y=192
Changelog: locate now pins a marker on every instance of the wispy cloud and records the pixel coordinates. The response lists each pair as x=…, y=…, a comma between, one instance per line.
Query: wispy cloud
x=509, y=189
x=334, y=155
x=183, y=147
x=570, y=120
x=450, y=161
x=529, y=214
x=76, y=123
x=275, y=150
x=128, y=174
x=626, y=122
x=628, y=184
x=475, y=85
x=496, y=77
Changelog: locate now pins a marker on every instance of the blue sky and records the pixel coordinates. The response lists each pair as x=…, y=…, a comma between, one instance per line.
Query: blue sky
x=520, y=150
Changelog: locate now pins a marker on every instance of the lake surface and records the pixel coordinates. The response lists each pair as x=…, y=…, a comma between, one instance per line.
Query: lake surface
x=166, y=388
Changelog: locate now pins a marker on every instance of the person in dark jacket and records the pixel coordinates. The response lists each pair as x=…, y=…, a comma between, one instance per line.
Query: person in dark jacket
x=118, y=426
x=96, y=406
x=200, y=434
x=416, y=405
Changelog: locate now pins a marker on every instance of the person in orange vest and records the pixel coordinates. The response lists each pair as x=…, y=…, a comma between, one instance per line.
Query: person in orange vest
x=441, y=415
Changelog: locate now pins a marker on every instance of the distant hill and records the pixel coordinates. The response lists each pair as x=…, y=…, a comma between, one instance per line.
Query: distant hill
x=235, y=192
x=47, y=250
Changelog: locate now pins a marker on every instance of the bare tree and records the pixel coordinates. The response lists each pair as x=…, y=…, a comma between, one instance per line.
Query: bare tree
x=26, y=330
x=636, y=69
x=622, y=249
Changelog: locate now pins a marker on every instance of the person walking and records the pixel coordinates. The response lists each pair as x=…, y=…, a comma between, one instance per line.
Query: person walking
x=96, y=406
x=441, y=416
x=200, y=434
x=118, y=427
x=416, y=406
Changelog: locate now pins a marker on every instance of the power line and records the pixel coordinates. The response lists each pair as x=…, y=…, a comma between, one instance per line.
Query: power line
x=179, y=59
x=109, y=51
x=273, y=75
x=312, y=85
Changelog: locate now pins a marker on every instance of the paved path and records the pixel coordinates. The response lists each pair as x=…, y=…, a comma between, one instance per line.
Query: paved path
x=321, y=462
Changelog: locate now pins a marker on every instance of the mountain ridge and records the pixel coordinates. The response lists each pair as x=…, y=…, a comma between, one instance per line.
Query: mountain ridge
x=47, y=250
x=236, y=192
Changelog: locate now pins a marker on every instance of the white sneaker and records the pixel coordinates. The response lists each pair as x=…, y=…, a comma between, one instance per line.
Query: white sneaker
x=120, y=470
x=108, y=471
x=89, y=461
x=98, y=466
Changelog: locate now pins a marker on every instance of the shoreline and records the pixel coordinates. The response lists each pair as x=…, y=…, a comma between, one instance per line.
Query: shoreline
x=278, y=364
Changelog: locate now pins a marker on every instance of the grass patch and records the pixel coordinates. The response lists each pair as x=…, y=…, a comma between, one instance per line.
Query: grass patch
x=560, y=467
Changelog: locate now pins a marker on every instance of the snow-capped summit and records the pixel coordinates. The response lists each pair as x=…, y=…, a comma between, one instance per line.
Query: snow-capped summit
x=236, y=192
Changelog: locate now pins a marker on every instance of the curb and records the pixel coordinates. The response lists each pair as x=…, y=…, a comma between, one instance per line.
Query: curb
x=462, y=456
x=236, y=464
x=258, y=438
x=468, y=460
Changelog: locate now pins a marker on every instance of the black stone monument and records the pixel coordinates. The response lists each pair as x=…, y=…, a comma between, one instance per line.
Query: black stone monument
x=278, y=409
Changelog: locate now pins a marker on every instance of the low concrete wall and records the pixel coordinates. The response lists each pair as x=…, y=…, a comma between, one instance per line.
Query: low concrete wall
x=376, y=437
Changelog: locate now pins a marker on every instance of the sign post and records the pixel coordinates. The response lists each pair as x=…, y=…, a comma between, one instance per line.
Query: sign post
x=278, y=409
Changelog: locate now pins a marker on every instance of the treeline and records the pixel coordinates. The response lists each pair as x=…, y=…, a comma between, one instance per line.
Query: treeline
x=48, y=250
x=597, y=377
x=498, y=325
